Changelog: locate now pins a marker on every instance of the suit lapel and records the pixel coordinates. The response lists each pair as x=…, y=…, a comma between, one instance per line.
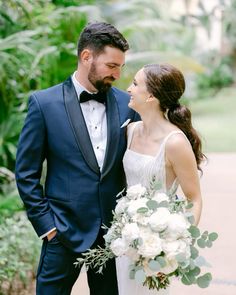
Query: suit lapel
x=113, y=133
x=78, y=125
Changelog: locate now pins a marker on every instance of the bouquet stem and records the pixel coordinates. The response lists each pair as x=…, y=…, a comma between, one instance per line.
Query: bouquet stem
x=161, y=281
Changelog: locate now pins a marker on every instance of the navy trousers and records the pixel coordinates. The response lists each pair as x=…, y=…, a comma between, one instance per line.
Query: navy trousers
x=57, y=273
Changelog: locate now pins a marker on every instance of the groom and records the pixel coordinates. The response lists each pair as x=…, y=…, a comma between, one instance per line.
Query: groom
x=80, y=135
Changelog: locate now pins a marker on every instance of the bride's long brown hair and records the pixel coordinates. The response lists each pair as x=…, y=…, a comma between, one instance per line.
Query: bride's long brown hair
x=167, y=84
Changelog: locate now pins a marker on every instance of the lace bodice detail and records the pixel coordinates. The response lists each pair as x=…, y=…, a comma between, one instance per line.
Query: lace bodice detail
x=141, y=168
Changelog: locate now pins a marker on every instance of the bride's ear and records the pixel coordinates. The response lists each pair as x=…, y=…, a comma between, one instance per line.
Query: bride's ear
x=150, y=98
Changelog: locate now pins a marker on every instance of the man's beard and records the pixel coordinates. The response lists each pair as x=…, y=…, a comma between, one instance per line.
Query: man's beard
x=99, y=84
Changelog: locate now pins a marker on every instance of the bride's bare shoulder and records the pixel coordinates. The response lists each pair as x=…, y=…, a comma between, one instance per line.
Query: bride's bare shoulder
x=178, y=146
x=132, y=124
x=177, y=140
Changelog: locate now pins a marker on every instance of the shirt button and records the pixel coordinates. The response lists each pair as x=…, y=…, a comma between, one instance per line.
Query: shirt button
x=97, y=147
x=96, y=127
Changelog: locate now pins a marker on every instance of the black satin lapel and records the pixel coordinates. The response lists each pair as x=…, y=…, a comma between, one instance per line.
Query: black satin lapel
x=78, y=124
x=113, y=133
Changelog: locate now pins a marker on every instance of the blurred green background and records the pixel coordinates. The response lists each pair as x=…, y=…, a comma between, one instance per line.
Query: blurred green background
x=38, y=42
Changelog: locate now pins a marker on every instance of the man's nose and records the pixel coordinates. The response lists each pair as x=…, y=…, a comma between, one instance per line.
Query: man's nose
x=116, y=74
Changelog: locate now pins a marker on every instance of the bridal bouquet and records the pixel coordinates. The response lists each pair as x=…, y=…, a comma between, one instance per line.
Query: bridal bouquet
x=156, y=232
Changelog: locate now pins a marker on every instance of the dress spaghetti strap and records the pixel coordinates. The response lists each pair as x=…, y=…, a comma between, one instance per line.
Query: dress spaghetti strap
x=131, y=132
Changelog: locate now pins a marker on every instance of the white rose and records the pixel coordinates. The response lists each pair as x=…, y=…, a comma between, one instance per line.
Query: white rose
x=171, y=266
x=150, y=245
x=136, y=191
x=159, y=219
x=140, y=219
x=173, y=248
x=119, y=247
x=130, y=232
x=177, y=226
x=121, y=205
x=160, y=197
x=134, y=205
x=132, y=254
x=109, y=235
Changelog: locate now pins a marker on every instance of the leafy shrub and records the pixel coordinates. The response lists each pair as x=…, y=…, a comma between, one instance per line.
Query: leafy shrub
x=10, y=201
x=218, y=74
x=19, y=250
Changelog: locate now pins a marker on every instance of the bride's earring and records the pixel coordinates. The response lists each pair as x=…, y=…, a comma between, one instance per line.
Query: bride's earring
x=150, y=98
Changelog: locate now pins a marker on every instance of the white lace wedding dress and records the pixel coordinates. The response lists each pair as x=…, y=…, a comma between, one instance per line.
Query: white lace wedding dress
x=140, y=168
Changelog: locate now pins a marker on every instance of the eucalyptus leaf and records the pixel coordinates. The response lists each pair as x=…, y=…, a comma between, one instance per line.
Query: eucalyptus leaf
x=140, y=276
x=152, y=204
x=204, y=281
x=188, y=214
x=157, y=185
x=205, y=235
x=189, y=206
x=185, y=280
x=142, y=210
x=139, y=241
x=213, y=236
x=200, y=261
x=180, y=257
x=208, y=243
x=161, y=260
x=196, y=271
x=201, y=243
x=191, y=277
x=132, y=274
x=163, y=204
x=194, y=252
x=195, y=232
x=191, y=219
x=184, y=265
x=154, y=265
x=192, y=264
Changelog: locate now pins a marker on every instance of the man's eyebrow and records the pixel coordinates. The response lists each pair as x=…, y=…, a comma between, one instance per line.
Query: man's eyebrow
x=115, y=64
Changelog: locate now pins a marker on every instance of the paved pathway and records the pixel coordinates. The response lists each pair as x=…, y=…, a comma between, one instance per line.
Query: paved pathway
x=219, y=214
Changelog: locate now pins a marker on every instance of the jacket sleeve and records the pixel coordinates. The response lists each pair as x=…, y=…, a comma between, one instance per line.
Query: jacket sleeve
x=29, y=162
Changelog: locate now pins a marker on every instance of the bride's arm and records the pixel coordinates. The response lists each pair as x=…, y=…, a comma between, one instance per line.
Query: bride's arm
x=180, y=156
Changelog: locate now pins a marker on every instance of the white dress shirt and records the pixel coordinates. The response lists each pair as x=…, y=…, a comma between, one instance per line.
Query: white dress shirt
x=95, y=118
x=96, y=121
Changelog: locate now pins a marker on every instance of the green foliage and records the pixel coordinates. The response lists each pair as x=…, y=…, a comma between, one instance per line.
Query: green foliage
x=229, y=24
x=11, y=118
x=9, y=199
x=6, y=177
x=19, y=249
x=37, y=49
x=195, y=232
x=204, y=281
x=213, y=117
x=153, y=34
x=95, y=258
x=67, y=3
x=10, y=204
x=218, y=74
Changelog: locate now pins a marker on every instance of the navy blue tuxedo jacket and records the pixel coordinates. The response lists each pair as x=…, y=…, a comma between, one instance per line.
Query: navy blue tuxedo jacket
x=76, y=197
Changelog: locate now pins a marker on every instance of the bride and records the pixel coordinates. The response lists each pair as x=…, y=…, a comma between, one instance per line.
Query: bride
x=164, y=144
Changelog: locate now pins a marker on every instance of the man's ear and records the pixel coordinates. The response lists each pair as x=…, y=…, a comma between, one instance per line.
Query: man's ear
x=86, y=57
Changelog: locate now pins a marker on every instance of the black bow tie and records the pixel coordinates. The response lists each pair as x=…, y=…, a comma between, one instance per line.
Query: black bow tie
x=99, y=97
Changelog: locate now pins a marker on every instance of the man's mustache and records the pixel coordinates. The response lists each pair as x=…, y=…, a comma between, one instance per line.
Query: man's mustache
x=112, y=79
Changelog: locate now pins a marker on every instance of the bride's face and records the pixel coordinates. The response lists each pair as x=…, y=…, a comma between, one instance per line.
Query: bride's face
x=138, y=92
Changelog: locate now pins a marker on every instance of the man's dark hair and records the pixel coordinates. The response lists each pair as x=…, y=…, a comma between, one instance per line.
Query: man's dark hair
x=97, y=35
